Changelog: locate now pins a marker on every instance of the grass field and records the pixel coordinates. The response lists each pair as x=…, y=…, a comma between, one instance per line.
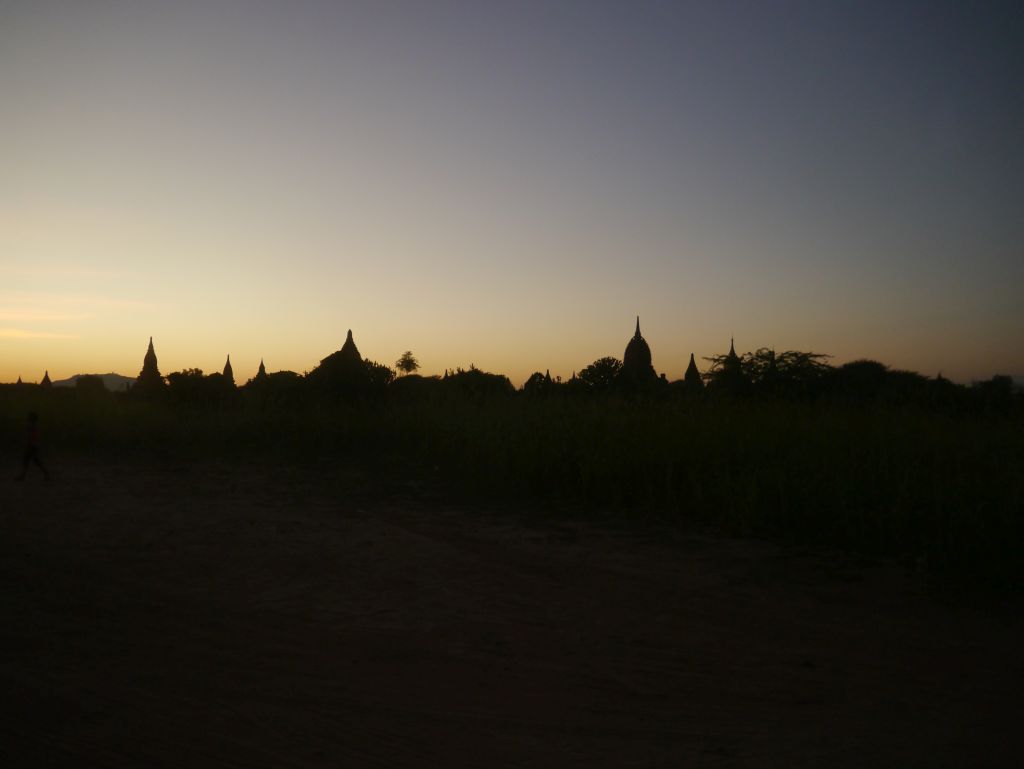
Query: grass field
x=941, y=492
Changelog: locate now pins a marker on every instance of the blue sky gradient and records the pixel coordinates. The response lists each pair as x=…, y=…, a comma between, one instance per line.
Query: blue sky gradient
x=509, y=184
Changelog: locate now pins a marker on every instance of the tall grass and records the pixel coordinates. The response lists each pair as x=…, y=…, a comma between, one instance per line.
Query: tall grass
x=944, y=491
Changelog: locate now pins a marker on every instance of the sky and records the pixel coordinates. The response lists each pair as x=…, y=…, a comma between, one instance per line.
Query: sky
x=509, y=185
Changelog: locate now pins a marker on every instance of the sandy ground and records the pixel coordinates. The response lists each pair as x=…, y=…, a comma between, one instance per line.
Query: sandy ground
x=176, y=616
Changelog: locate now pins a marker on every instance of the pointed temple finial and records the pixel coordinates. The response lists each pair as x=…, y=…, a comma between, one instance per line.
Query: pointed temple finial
x=732, y=346
x=149, y=378
x=150, y=355
x=349, y=337
x=638, y=325
x=692, y=378
x=262, y=370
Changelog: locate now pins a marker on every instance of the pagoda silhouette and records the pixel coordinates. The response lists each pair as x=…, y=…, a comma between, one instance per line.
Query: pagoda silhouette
x=692, y=381
x=149, y=379
x=341, y=370
x=636, y=361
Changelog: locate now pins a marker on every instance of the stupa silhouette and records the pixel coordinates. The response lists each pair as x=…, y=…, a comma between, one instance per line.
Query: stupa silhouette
x=636, y=361
x=149, y=378
x=342, y=368
x=691, y=379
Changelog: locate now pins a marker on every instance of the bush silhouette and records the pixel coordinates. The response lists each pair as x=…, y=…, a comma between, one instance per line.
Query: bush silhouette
x=601, y=375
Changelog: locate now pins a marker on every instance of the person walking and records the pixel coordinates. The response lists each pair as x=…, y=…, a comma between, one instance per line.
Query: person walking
x=32, y=448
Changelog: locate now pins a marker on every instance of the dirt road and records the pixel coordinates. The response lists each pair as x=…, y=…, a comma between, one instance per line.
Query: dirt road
x=173, y=616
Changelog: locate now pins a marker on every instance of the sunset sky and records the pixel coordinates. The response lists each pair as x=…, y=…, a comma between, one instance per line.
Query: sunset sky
x=509, y=184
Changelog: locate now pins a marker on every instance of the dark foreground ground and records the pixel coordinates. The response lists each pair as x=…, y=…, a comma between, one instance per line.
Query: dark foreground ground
x=173, y=616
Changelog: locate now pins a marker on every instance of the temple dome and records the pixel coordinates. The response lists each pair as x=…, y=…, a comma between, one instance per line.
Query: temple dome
x=637, y=358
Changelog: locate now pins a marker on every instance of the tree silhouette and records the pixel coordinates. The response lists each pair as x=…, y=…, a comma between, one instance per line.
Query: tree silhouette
x=602, y=373
x=407, y=364
x=769, y=373
x=280, y=389
x=860, y=379
x=996, y=394
x=187, y=385
x=378, y=375
x=726, y=374
x=475, y=383
x=539, y=384
x=790, y=372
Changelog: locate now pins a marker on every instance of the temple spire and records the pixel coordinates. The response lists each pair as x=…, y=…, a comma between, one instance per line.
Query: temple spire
x=262, y=370
x=149, y=361
x=349, y=352
x=692, y=379
x=636, y=360
x=149, y=378
x=229, y=374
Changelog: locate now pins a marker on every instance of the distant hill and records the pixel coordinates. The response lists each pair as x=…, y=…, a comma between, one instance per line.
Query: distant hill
x=113, y=382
